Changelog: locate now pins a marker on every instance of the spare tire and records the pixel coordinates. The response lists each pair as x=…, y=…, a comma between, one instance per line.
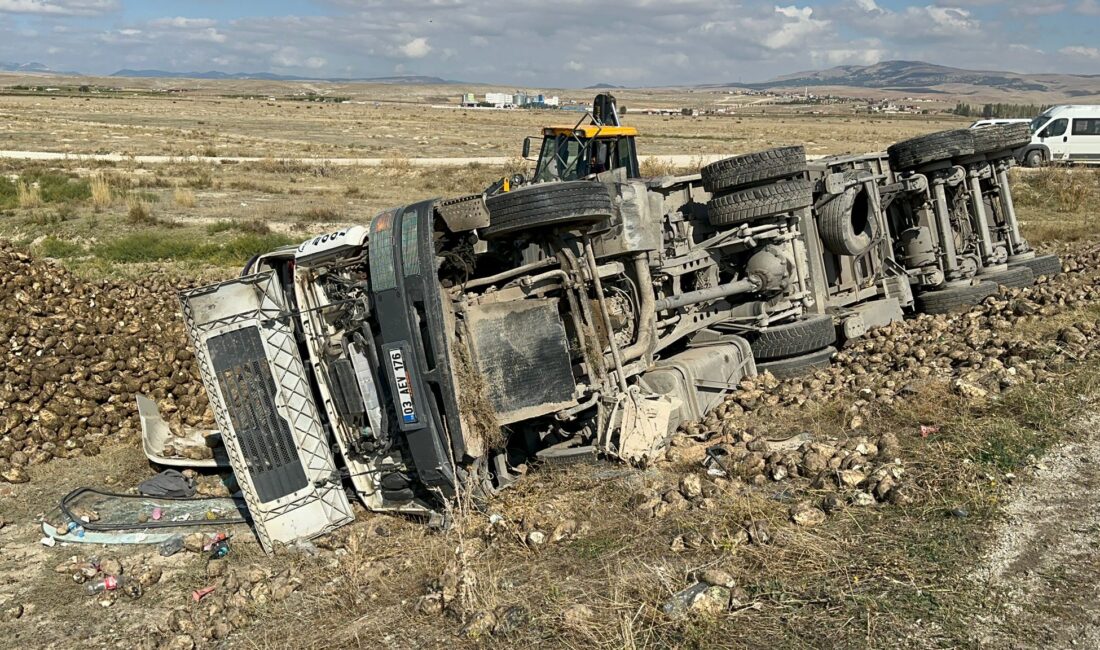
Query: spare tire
x=934, y=147
x=754, y=168
x=546, y=205
x=760, y=202
x=793, y=339
x=846, y=224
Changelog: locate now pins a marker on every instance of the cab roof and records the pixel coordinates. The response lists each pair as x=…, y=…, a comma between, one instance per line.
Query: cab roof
x=591, y=131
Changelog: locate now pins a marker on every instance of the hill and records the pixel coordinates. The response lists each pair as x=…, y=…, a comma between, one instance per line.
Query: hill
x=920, y=78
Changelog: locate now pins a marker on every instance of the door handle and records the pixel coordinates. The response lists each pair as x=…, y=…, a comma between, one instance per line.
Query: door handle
x=1065, y=138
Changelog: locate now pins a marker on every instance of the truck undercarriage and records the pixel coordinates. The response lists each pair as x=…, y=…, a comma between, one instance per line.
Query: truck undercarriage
x=449, y=344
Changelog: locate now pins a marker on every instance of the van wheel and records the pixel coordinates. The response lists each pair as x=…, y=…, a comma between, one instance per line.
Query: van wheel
x=1034, y=158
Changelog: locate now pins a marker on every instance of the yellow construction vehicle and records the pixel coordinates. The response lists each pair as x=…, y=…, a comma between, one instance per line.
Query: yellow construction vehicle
x=570, y=153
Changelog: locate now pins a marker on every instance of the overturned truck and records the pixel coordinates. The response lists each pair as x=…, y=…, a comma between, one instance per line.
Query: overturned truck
x=449, y=343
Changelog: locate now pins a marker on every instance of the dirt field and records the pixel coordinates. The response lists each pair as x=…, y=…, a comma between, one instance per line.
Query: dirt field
x=983, y=423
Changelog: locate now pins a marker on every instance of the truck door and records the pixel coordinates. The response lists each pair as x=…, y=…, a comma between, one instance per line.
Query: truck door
x=1084, y=139
x=1055, y=136
x=243, y=337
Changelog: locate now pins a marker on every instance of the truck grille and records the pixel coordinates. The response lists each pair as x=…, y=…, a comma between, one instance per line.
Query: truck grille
x=244, y=377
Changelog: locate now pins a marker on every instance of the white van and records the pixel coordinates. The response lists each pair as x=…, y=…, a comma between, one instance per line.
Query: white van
x=1064, y=134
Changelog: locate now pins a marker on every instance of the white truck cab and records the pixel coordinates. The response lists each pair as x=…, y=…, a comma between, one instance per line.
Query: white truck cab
x=1066, y=134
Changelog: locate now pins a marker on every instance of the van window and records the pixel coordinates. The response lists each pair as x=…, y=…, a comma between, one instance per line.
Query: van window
x=1086, y=127
x=1055, y=128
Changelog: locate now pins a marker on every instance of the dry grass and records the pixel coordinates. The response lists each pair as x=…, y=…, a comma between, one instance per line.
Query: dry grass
x=101, y=192
x=139, y=213
x=1056, y=203
x=29, y=195
x=183, y=197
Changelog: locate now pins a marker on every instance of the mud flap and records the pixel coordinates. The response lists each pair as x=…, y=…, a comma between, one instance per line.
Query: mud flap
x=638, y=427
x=258, y=390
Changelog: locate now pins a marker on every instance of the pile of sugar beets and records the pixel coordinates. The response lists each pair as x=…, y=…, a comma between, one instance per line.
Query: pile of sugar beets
x=76, y=353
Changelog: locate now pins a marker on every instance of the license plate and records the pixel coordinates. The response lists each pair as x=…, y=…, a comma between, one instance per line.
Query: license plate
x=405, y=405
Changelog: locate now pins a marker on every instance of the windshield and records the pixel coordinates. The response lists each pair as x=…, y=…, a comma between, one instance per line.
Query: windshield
x=1038, y=123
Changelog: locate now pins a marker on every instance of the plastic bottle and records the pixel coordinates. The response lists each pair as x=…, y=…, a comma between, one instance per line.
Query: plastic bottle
x=108, y=583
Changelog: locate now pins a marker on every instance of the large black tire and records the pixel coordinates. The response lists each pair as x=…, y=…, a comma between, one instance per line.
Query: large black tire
x=846, y=224
x=934, y=147
x=1041, y=265
x=760, y=202
x=800, y=365
x=1001, y=137
x=945, y=301
x=793, y=339
x=754, y=168
x=1013, y=276
x=547, y=205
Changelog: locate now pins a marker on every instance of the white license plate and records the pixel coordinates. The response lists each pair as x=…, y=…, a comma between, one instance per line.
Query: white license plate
x=404, y=390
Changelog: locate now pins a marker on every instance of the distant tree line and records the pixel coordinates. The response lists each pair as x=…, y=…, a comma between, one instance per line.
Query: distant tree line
x=991, y=111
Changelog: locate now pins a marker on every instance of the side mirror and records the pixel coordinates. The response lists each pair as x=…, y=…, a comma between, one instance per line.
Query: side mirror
x=527, y=147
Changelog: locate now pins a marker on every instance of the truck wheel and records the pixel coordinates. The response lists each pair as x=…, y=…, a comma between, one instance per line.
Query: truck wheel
x=760, y=202
x=800, y=365
x=1034, y=158
x=846, y=224
x=793, y=339
x=1001, y=137
x=1014, y=136
x=931, y=148
x=1016, y=276
x=754, y=168
x=1042, y=265
x=945, y=301
x=546, y=205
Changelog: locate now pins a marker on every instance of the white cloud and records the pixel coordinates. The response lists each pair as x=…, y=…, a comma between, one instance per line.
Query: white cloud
x=1082, y=51
x=1088, y=7
x=800, y=25
x=59, y=7
x=183, y=23
x=417, y=48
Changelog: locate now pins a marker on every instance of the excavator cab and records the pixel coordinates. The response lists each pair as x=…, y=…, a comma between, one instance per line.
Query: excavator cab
x=569, y=153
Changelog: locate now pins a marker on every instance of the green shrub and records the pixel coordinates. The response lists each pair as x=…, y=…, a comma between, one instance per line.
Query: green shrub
x=54, y=247
x=157, y=246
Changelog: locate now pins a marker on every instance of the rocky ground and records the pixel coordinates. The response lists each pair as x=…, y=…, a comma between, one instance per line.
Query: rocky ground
x=746, y=528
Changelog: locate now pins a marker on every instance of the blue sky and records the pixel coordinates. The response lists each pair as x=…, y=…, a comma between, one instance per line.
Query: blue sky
x=561, y=43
